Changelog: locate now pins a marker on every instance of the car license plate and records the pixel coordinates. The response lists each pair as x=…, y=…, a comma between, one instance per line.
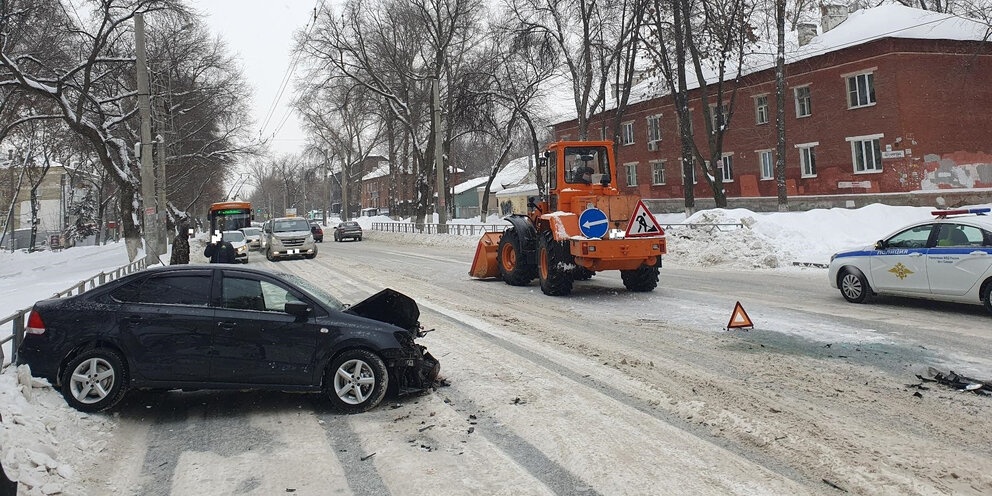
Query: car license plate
x=294, y=252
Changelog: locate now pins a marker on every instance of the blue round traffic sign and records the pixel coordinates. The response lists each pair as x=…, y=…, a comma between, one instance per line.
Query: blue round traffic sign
x=593, y=223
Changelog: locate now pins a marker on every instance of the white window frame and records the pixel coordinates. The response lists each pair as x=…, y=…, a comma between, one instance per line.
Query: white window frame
x=804, y=157
x=809, y=101
x=631, y=178
x=723, y=166
x=869, y=76
x=715, y=114
x=859, y=142
x=658, y=165
x=654, y=129
x=627, y=133
x=761, y=110
x=761, y=164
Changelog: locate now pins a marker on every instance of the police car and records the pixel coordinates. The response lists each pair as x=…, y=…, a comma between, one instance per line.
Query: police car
x=948, y=258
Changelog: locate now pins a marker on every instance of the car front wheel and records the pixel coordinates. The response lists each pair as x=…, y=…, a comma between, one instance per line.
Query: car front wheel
x=854, y=287
x=356, y=381
x=94, y=380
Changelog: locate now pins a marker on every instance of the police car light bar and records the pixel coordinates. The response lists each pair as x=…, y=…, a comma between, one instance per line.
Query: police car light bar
x=945, y=213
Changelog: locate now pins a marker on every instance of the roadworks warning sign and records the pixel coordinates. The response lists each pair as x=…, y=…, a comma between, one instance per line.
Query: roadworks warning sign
x=739, y=318
x=642, y=223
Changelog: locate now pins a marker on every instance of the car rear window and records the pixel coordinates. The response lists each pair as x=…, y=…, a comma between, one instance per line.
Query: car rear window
x=166, y=290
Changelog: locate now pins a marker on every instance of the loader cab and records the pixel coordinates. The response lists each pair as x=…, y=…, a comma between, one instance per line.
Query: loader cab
x=579, y=168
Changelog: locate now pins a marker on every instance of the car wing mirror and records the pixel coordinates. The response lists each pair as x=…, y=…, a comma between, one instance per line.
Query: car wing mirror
x=880, y=245
x=297, y=308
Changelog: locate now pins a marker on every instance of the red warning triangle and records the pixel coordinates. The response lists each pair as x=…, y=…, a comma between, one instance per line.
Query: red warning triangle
x=739, y=318
x=642, y=223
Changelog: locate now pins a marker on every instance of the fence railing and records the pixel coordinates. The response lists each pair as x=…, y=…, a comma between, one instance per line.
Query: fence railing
x=456, y=229
x=473, y=229
x=17, y=319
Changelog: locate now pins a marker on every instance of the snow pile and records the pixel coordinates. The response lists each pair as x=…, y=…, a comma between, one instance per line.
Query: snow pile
x=40, y=434
x=707, y=246
x=448, y=240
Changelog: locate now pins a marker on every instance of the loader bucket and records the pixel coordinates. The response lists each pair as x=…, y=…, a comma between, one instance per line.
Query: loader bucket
x=484, y=265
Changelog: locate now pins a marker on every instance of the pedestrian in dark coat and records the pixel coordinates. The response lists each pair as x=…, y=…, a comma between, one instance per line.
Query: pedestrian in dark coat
x=220, y=251
x=180, y=245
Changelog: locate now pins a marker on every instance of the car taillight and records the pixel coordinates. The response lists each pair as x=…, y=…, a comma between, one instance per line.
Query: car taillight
x=35, y=325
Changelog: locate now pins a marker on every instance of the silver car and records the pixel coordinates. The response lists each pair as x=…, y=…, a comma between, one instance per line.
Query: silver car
x=288, y=237
x=253, y=236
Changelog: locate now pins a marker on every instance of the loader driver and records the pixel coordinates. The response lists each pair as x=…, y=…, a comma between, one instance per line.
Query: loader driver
x=582, y=173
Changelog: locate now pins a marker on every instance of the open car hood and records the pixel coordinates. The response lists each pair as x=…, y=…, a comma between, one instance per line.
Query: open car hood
x=389, y=306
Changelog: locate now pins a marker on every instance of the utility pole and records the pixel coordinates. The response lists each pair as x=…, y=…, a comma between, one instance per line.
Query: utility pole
x=145, y=146
x=442, y=216
x=163, y=227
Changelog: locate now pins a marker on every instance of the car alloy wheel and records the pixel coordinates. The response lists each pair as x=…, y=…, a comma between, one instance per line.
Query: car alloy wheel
x=354, y=382
x=92, y=381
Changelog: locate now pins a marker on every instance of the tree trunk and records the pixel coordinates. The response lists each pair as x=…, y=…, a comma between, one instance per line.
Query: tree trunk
x=783, y=201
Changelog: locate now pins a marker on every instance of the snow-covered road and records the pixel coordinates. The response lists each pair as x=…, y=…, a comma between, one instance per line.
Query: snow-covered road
x=603, y=392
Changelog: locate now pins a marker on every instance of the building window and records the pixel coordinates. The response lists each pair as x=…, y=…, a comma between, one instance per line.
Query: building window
x=728, y=167
x=866, y=153
x=631, y=173
x=767, y=162
x=602, y=132
x=807, y=160
x=861, y=90
x=658, y=172
x=718, y=117
x=654, y=131
x=803, y=102
x=761, y=109
x=627, y=135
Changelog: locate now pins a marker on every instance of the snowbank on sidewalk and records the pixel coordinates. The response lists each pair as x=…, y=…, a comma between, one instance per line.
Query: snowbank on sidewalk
x=40, y=434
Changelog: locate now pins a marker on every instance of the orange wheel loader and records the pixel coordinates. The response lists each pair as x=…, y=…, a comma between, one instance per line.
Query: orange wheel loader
x=550, y=244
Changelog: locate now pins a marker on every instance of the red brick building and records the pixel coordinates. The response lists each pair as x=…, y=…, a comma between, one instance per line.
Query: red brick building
x=891, y=100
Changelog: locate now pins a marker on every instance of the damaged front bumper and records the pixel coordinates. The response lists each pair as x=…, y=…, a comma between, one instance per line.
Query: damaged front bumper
x=414, y=371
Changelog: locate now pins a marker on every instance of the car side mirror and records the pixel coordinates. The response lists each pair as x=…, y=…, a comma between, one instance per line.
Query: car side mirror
x=297, y=308
x=880, y=245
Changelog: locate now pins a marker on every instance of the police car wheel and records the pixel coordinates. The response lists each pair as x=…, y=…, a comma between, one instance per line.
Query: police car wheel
x=854, y=287
x=987, y=296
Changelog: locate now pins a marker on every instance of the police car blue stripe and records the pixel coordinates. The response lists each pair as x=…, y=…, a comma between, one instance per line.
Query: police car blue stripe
x=937, y=250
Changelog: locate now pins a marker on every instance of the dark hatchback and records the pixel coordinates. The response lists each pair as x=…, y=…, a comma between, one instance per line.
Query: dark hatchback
x=317, y=231
x=208, y=327
x=348, y=229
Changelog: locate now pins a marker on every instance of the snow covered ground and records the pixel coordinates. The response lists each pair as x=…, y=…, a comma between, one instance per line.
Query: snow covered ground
x=768, y=239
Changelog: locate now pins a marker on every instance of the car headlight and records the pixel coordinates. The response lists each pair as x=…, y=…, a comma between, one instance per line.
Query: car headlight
x=242, y=249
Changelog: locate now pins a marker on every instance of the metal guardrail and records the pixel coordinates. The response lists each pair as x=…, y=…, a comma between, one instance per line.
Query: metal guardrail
x=473, y=229
x=17, y=331
x=456, y=229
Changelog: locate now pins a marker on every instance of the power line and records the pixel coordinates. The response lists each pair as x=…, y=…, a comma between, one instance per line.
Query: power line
x=290, y=70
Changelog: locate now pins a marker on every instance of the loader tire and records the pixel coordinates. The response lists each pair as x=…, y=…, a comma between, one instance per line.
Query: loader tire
x=641, y=279
x=555, y=265
x=513, y=267
x=582, y=274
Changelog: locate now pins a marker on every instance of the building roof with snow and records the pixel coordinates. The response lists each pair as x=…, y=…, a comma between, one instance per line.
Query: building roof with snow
x=381, y=170
x=470, y=184
x=512, y=174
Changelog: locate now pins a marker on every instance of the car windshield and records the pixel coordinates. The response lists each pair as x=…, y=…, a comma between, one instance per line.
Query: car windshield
x=290, y=225
x=251, y=231
x=317, y=293
x=349, y=224
x=234, y=236
x=586, y=165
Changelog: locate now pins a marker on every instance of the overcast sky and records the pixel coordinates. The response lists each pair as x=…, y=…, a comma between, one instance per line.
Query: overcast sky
x=260, y=33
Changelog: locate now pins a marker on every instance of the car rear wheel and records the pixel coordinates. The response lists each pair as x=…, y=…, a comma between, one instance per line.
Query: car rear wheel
x=513, y=268
x=555, y=264
x=641, y=279
x=987, y=296
x=853, y=286
x=94, y=380
x=356, y=381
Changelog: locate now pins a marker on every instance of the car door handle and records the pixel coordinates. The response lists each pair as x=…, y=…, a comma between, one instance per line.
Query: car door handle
x=135, y=319
x=916, y=254
x=227, y=326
